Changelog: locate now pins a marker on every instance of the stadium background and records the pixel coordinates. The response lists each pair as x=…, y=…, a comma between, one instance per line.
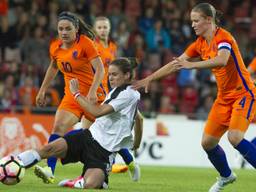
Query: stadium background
x=27, y=27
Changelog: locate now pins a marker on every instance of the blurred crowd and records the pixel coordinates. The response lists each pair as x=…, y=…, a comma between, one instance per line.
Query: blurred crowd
x=154, y=31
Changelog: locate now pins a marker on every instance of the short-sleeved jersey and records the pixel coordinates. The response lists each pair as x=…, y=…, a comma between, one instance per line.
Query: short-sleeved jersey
x=74, y=62
x=232, y=79
x=107, y=54
x=113, y=131
x=252, y=65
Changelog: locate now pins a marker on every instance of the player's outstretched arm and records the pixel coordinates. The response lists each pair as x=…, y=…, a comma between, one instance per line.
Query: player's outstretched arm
x=164, y=71
x=219, y=61
x=49, y=76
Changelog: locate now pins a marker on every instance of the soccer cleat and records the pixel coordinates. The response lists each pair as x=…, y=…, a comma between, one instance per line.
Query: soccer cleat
x=117, y=168
x=222, y=182
x=72, y=183
x=77, y=183
x=45, y=173
x=134, y=171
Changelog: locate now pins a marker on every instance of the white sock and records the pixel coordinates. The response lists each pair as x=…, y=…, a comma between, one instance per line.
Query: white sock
x=29, y=158
x=79, y=184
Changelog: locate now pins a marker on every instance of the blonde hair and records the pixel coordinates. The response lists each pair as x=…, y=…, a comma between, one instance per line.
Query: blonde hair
x=208, y=10
x=102, y=18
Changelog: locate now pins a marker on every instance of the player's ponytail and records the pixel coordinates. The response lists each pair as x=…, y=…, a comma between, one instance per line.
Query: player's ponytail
x=218, y=17
x=86, y=29
x=133, y=62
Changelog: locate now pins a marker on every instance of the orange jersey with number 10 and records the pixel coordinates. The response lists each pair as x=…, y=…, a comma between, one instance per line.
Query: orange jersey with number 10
x=233, y=79
x=74, y=62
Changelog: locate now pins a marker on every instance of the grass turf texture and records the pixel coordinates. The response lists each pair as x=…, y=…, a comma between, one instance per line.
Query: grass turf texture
x=155, y=179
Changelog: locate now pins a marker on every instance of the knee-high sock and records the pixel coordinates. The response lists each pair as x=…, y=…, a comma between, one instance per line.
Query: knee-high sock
x=51, y=161
x=248, y=150
x=254, y=141
x=73, y=131
x=126, y=155
x=218, y=159
x=29, y=158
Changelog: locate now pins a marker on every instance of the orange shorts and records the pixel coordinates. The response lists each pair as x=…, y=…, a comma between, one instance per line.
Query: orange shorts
x=230, y=114
x=68, y=103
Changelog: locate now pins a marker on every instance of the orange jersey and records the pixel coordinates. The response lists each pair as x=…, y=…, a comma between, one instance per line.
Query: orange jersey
x=232, y=79
x=107, y=54
x=252, y=65
x=74, y=62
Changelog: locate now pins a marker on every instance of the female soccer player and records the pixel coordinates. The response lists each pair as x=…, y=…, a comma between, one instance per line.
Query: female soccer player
x=108, y=51
x=235, y=105
x=95, y=147
x=75, y=55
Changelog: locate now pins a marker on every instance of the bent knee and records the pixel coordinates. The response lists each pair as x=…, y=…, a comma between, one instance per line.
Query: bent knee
x=208, y=144
x=60, y=128
x=92, y=185
x=45, y=151
x=235, y=137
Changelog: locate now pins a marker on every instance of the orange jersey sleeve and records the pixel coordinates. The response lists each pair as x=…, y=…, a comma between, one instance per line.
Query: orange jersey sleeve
x=191, y=51
x=252, y=65
x=233, y=79
x=74, y=62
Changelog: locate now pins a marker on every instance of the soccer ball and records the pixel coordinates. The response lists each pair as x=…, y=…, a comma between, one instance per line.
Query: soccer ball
x=11, y=170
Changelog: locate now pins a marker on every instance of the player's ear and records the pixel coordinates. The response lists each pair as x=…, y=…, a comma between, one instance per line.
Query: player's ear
x=209, y=19
x=127, y=76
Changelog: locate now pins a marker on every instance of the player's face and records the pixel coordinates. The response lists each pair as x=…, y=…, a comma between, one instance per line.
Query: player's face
x=117, y=77
x=102, y=28
x=200, y=24
x=67, y=31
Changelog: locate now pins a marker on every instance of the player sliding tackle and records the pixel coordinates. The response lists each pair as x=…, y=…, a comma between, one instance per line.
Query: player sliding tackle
x=96, y=147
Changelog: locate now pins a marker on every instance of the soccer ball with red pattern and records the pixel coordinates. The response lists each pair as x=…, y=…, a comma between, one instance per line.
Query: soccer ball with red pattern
x=11, y=170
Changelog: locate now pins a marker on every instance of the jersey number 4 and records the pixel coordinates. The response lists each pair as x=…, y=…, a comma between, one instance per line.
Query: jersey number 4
x=67, y=67
x=242, y=102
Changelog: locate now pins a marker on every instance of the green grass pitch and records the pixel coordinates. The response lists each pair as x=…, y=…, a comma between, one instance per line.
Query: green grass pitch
x=155, y=179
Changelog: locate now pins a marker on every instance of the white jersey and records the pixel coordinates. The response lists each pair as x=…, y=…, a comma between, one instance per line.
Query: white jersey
x=114, y=131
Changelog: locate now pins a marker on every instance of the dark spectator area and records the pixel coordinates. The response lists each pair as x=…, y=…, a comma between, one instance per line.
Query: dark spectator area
x=154, y=31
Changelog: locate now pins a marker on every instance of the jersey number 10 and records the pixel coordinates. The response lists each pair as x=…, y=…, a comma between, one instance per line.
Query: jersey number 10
x=67, y=67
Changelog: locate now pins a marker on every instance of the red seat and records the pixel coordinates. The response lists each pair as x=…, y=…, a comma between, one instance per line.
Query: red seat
x=113, y=4
x=132, y=8
x=172, y=93
x=170, y=81
x=168, y=56
x=189, y=100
